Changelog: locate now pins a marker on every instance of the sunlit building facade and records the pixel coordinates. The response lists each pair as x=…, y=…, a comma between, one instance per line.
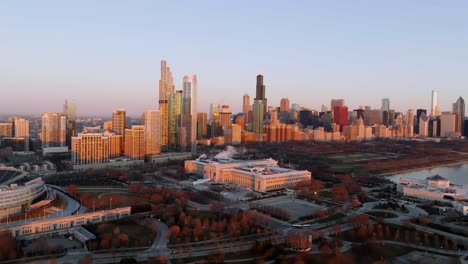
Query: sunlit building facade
x=135, y=147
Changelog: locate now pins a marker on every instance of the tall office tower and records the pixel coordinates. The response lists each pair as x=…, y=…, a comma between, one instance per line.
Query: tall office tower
x=151, y=120
x=107, y=126
x=135, y=147
x=385, y=110
x=202, y=125
x=324, y=109
x=246, y=106
x=232, y=134
x=295, y=107
x=410, y=117
x=459, y=111
x=284, y=105
x=260, y=92
x=225, y=116
x=214, y=111
x=418, y=115
x=189, y=109
x=175, y=111
x=371, y=117
x=6, y=130
x=69, y=108
x=423, y=126
x=21, y=130
x=447, y=124
x=118, y=121
x=336, y=102
x=359, y=113
x=89, y=149
x=166, y=87
x=341, y=115
x=258, y=113
x=435, y=111
x=53, y=131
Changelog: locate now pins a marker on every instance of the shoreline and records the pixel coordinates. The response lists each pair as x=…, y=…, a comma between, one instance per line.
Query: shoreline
x=428, y=167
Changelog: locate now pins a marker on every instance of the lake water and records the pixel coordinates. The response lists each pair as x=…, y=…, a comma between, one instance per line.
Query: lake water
x=456, y=174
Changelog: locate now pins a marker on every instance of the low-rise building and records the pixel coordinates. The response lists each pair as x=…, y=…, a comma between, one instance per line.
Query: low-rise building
x=257, y=175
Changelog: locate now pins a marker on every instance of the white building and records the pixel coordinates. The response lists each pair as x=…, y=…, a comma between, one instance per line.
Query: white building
x=257, y=175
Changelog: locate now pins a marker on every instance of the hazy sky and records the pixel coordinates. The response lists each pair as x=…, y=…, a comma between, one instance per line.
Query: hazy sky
x=106, y=54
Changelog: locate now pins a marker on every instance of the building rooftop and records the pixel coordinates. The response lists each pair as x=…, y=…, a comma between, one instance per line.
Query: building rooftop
x=437, y=178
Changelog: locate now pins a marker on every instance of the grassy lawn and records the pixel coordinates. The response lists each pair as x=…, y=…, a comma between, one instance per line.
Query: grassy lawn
x=119, y=199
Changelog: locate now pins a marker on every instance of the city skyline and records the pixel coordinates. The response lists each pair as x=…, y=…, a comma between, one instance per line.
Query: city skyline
x=394, y=58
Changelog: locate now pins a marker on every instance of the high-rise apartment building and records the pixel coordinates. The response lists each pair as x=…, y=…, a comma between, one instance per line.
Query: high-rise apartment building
x=135, y=147
x=119, y=118
x=21, y=130
x=202, y=125
x=284, y=105
x=435, y=111
x=151, y=121
x=189, y=109
x=89, y=149
x=459, y=111
x=6, y=130
x=166, y=87
x=174, y=118
x=260, y=92
x=53, y=130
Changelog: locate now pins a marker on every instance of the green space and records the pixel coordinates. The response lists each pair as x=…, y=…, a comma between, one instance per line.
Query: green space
x=121, y=234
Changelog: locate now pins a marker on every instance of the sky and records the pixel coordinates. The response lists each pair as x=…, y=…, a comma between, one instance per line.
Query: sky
x=106, y=54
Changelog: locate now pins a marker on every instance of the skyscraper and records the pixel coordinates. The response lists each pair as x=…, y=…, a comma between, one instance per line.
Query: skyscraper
x=459, y=111
x=284, y=105
x=151, y=120
x=166, y=87
x=119, y=117
x=340, y=115
x=189, y=109
x=258, y=113
x=336, y=102
x=246, y=106
x=21, y=130
x=174, y=118
x=202, y=123
x=447, y=124
x=225, y=116
x=260, y=92
x=385, y=111
x=435, y=111
x=53, y=132
x=69, y=108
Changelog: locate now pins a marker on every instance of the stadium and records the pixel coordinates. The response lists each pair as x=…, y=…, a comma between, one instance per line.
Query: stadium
x=21, y=192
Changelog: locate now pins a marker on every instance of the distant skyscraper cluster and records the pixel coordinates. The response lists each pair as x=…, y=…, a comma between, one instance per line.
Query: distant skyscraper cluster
x=178, y=126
